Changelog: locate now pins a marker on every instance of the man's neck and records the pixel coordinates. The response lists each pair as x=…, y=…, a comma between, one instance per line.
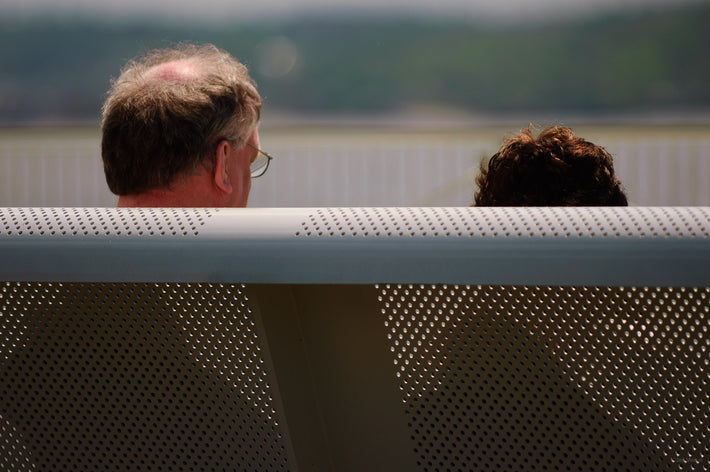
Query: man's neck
x=176, y=197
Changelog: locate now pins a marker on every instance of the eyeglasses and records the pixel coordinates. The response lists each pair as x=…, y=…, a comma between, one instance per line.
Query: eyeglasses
x=260, y=164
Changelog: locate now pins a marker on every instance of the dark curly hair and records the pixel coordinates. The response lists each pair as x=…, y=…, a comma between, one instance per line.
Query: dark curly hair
x=555, y=169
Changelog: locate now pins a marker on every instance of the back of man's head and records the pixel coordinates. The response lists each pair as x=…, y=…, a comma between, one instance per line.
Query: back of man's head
x=555, y=169
x=167, y=112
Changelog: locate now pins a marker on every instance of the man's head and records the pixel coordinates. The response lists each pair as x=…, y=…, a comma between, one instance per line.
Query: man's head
x=175, y=117
x=555, y=169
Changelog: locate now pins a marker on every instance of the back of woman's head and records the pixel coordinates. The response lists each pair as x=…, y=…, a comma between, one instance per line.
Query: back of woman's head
x=555, y=169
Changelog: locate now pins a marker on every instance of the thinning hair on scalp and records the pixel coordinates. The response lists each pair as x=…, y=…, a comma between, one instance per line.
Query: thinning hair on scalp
x=555, y=169
x=168, y=110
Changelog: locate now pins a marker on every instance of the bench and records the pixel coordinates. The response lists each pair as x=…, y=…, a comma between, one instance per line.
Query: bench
x=355, y=339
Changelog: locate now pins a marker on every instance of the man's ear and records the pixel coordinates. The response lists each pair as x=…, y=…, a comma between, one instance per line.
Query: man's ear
x=221, y=171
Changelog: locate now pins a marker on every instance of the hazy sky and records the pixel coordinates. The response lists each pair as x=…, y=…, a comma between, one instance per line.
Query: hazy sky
x=247, y=9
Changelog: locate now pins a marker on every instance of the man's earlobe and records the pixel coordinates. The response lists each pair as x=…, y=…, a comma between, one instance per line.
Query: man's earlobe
x=221, y=172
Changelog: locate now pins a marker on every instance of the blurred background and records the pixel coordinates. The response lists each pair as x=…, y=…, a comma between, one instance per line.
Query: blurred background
x=367, y=104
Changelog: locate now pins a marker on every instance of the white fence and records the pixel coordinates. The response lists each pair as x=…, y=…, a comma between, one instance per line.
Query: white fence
x=334, y=167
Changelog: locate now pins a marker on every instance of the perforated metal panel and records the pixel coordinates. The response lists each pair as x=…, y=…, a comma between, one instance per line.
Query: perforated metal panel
x=553, y=378
x=128, y=377
x=100, y=221
x=506, y=222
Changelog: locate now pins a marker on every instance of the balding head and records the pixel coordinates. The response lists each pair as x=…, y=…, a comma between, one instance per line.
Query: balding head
x=183, y=71
x=167, y=112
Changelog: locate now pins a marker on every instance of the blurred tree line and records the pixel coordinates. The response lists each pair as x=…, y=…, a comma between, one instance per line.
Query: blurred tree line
x=52, y=69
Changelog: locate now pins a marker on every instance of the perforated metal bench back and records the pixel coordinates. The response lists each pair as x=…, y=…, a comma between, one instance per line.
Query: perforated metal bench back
x=222, y=359
x=553, y=378
x=134, y=377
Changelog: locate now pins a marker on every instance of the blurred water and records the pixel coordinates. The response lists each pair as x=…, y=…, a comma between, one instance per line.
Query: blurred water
x=362, y=167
